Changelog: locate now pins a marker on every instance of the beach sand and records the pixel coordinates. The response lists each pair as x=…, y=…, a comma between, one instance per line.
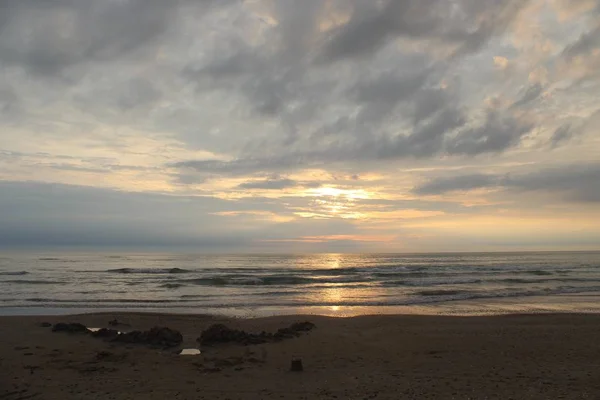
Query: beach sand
x=371, y=357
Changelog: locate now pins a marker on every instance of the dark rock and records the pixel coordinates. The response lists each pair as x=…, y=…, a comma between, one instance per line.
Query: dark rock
x=303, y=326
x=106, y=333
x=285, y=333
x=116, y=322
x=163, y=337
x=220, y=333
x=45, y=324
x=70, y=328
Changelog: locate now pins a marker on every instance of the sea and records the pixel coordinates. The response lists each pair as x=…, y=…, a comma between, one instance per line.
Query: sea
x=255, y=285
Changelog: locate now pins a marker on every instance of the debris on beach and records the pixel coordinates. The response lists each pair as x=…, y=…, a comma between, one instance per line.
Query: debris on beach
x=220, y=333
x=190, y=352
x=296, y=365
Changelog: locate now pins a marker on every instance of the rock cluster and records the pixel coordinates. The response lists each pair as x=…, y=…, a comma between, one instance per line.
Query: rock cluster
x=163, y=337
x=70, y=328
x=220, y=333
x=157, y=336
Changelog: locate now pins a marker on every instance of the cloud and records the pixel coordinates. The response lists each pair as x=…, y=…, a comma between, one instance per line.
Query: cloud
x=532, y=93
x=206, y=100
x=563, y=134
x=579, y=183
x=48, y=37
x=584, y=45
x=270, y=184
x=465, y=24
x=498, y=133
x=438, y=135
x=457, y=183
x=52, y=214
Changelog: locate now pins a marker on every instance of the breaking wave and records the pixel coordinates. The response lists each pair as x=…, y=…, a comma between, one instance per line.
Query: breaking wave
x=149, y=271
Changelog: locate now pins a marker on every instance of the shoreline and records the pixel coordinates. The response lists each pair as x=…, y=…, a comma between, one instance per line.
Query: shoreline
x=574, y=303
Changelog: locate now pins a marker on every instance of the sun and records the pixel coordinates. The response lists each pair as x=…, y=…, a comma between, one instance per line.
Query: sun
x=334, y=202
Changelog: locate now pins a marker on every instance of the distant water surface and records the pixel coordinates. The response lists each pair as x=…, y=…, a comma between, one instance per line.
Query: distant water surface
x=334, y=284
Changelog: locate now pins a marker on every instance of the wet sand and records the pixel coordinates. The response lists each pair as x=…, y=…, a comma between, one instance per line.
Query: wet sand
x=378, y=357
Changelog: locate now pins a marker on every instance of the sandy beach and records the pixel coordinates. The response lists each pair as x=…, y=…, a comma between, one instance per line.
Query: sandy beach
x=370, y=357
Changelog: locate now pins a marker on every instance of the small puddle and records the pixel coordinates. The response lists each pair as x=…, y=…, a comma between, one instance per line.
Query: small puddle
x=189, y=352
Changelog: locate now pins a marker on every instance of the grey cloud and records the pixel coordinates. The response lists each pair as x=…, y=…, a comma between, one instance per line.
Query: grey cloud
x=582, y=55
x=54, y=214
x=450, y=22
x=428, y=102
x=390, y=88
x=562, y=134
x=240, y=166
x=426, y=140
x=530, y=94
x=9, y=103
x=277, y=183
x=498, y=133
x=269, y=184
x=121, y=95
x=444, y=133
x=457, y=183
x=46, y=37
x=576, y=182
x=585, y=44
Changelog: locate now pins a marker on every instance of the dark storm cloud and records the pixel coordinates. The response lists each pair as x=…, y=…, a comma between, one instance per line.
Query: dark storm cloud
x=468, y=24
x=576, y=182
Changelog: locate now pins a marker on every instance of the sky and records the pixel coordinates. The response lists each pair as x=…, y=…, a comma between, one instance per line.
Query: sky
x=300, y=126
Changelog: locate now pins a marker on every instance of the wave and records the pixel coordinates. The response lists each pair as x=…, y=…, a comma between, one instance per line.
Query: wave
x=172, y=285
x=424, y=297
x=540, y=272
x=149, y=271
x=33, y=282
x=438, y=282
x=13, y=273
x=250, y=281
x=442, y=292
x=108, y=301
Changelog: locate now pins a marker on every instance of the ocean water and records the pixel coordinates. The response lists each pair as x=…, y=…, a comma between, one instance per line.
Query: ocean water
x=331, y=284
